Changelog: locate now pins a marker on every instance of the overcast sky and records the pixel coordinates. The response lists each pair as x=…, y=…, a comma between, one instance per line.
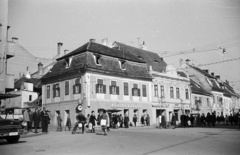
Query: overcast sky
x=167, y=27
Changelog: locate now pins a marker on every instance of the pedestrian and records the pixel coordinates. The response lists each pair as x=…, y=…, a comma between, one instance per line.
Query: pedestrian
x=148, y=120
x=45, y=120
x=209, y=119
x=213, y=119
x=104, y=121
x=202, y=120
x=36, y=119
x=31, y=119
x=68, y=123
x=142, y=120
x=182, y=120
x=59, y=122
x=192, y=120
x=121, y=120
x=231, y=119
x=135, y=119
x=227, y=119
x=26, y=118
x=173, y=120
x=163, y=121
x=92, y=120
x=126, y=121
x=159, y=121
x=81, y=119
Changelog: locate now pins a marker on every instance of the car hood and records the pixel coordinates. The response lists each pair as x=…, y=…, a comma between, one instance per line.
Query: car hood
x=7, y=122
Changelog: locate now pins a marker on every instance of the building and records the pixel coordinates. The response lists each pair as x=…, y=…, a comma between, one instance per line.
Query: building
x=170, y=87
x=200, y=98
x=97, y=76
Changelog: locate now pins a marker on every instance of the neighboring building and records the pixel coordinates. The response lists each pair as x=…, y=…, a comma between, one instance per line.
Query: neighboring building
x=201, y=99
x=170, y=88
x=221, y=99
x=97, y=77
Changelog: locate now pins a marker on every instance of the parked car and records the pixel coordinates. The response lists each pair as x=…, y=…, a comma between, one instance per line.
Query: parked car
x=10, y=130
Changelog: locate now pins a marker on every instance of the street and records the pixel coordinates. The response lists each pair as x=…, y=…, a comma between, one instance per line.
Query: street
x=139, y=140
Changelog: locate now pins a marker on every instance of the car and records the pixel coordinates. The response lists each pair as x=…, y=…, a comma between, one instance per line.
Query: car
x=10, y=130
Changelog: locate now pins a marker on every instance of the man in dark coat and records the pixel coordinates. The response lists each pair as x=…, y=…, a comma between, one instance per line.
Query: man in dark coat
x=92, y=120
x=173, y=120
x=82, y=119
x=213, y=119
x=192, y=120
x=36, y=119
x=163, y=122
x=45, y=120
x=126, y=120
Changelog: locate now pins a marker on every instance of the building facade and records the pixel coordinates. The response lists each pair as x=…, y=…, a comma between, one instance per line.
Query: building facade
x=97, y=76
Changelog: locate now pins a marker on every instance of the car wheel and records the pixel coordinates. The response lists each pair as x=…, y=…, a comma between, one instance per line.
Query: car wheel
x=13, y=139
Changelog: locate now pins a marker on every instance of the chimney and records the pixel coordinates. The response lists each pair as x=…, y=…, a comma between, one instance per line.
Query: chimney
x=59, y=45
x=206, y=70
x=14, y=39
x=143, y=46
x=92, y=40
x=187, y=61
x=40, y=67
x=218, y=77
x=105, y=41
x=212, y=74
x=65, y=52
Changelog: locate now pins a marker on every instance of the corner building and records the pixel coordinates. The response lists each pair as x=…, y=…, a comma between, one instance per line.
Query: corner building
x=97, y=77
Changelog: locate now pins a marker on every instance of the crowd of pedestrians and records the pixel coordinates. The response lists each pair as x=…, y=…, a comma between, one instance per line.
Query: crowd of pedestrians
x=37, y=119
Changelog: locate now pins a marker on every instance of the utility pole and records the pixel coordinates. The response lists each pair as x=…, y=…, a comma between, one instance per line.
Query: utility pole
x=3, y=42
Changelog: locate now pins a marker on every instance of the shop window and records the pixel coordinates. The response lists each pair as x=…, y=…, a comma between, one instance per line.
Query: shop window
x=77, y=86
x=100, y=88
x=113, y=89
x=144, y=90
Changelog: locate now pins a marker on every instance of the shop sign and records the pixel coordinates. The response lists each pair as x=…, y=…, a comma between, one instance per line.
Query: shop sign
x=127, y=106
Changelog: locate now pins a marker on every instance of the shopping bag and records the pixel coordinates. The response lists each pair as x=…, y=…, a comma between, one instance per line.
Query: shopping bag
x=189, y=123
x=80, y=125
x=90, y=126
x=103, y=122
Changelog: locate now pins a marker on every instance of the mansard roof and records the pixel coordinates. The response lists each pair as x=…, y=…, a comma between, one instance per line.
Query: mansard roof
x=198, y=89
x=109, y=64
x=151, y=58
x=103, y=50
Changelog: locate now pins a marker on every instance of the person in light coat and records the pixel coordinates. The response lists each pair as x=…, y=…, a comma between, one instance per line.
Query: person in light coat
x=26, y=118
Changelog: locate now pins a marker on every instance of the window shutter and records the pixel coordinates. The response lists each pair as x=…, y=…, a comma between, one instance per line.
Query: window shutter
x=117, y=90
x=97, y=88
x=110, y=89
x=59, y=91
x=104, y=89
x=139, y=92
x=132, y=91
x=80, y=89
x=74, y=89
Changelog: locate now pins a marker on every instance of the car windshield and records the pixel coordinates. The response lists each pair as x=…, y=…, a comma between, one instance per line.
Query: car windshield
x=8, y=122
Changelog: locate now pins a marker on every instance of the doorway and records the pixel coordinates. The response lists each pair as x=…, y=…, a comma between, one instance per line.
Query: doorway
x=126, y=111
x=55, y=116
x=66, y=113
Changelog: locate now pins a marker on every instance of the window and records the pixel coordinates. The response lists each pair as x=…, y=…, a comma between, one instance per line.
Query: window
x=125, y=85
x=66, y=87
x=68, y=62
x=144, y=90
x=30, y=97
x=196, y=101
x=162, y=92
x=77, y=86
x=187, y=94
x=171, y=92
x=97, y=58
x=200, y=101
x=56, y=90
x=122, y=64
x=48, y=91
x=100, y=88
x=113, y=89
x=135, y=90
x=208, y=104
x=156, y=90
x=177, y=93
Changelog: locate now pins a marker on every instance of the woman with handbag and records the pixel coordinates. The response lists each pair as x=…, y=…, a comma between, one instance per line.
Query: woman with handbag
x=104, y=121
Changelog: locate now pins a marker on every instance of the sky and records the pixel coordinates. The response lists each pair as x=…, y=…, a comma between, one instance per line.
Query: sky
x=200, y=29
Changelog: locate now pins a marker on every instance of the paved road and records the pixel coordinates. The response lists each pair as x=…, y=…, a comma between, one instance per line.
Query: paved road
x=140, y=140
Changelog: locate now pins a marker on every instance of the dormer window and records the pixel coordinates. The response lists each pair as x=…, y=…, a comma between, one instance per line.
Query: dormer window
x=140, y=57
x=156, y=61
x=97, y=58
x=122, y=64
x=68, y=62
x=209, y=82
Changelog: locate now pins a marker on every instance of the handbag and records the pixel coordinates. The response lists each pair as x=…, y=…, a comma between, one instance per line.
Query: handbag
x=103, y=122
x=80, y=125
x=24, y=123
x=90, y=126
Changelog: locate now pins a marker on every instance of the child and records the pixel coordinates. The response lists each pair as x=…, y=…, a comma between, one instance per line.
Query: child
x=68, y=123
